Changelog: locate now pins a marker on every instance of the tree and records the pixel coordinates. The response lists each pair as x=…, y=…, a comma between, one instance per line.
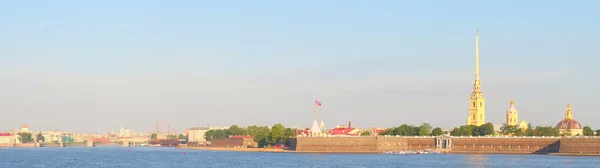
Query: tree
x=153, y=136
x=519, y=132
x=234, y=130
x=598, y=132
x=262, y=137
x=424, y=129
x=40, y=137
x=545, y=131
x=26, y=137
x=277, y=134
x=365, y=134
x=181, y=136
x=486, y=129
x=289, y=133
x=529, y=131
x=437, y=131
x=210, y=134
x=587, y=131
x=508, y=129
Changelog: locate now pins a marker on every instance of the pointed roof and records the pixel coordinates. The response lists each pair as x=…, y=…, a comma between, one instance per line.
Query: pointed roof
x=25, y=126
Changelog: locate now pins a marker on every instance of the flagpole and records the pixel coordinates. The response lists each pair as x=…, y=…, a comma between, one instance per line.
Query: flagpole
x=315, y=111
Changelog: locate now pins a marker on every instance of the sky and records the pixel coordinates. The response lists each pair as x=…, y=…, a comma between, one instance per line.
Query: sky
x=93, y=66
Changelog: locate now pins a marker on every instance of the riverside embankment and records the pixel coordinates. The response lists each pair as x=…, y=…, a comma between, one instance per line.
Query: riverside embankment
x=449, y=144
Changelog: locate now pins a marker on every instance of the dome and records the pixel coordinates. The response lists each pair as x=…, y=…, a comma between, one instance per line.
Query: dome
x=568, y=124
x=25, y=126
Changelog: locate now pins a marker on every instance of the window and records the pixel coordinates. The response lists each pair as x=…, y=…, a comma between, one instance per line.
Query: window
x=480, y=104
x=473, y=116
x=473, y=104
x=480, y=116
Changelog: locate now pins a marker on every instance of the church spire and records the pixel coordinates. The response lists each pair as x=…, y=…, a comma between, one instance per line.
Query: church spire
x=477, y=54
x=477, y=85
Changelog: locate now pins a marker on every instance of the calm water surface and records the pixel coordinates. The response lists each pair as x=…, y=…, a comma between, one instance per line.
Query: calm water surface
x=145, y=157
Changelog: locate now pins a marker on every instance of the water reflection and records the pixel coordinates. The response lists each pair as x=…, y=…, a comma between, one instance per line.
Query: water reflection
x=477, y=161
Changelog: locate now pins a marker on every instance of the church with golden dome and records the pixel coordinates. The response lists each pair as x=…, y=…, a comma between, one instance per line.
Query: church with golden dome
x=512, y=117
x=568, y=126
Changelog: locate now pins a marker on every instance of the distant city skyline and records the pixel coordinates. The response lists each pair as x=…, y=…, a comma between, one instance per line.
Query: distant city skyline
x=96, y=66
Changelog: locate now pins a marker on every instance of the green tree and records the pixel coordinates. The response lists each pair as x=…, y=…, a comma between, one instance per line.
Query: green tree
x=437, y=131
x=486, y=129
x=277, y=134
x=289, y=133
x=508, y=129
x=40, y=137
x=365, y=134
x=235, y=130
x=153, y=136
x=529, y=131
x=26, y=137
x=519, y=132
x=587, y=131
x=424, y=129
x=262, y=137
x=181, y=136
x=598, y=132
x=210, y=134
x=546, y=131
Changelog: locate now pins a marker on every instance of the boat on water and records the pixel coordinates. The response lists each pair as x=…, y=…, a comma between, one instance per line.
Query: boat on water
x=163, y=143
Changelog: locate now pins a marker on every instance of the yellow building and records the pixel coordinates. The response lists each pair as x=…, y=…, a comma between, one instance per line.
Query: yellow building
x=477, y=100
x=569, y=126
x=512, y=115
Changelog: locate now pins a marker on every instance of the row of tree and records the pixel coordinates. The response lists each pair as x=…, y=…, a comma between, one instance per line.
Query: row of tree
x=263, y=135
x=471, y=130
x=409, y=130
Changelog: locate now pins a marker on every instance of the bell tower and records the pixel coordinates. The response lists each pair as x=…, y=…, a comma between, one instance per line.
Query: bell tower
x=477, y=100
x=512, y=115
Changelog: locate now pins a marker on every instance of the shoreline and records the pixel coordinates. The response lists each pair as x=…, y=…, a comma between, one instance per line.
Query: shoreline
x=371, y=152
x=239, y=149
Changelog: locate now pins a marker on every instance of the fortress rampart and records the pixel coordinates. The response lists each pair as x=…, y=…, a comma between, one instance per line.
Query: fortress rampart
x=492, y=145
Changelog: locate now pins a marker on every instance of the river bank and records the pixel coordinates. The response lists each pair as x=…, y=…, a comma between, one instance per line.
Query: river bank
x=237, y=149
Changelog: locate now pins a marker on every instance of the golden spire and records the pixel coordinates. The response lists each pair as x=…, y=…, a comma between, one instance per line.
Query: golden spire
x=512, y=103
x=477, y=85
x=477, y=54
x=569, y=113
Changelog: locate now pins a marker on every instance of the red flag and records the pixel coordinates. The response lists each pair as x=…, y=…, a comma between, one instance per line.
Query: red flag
x=318, y=103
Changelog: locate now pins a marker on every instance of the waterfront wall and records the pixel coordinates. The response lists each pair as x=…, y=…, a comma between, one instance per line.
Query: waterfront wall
x=361, y=144
x=504, y=145
x=334, y=144
x=589, y=145
x=483, y=145
x=233, y=142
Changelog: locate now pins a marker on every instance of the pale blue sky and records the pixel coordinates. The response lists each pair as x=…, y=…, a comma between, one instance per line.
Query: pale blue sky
x=92, y=66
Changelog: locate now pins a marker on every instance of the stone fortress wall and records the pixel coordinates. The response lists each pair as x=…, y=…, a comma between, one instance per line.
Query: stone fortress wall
x=497, y=145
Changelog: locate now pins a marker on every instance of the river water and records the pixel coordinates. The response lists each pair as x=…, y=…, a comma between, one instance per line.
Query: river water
x=147, y=157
